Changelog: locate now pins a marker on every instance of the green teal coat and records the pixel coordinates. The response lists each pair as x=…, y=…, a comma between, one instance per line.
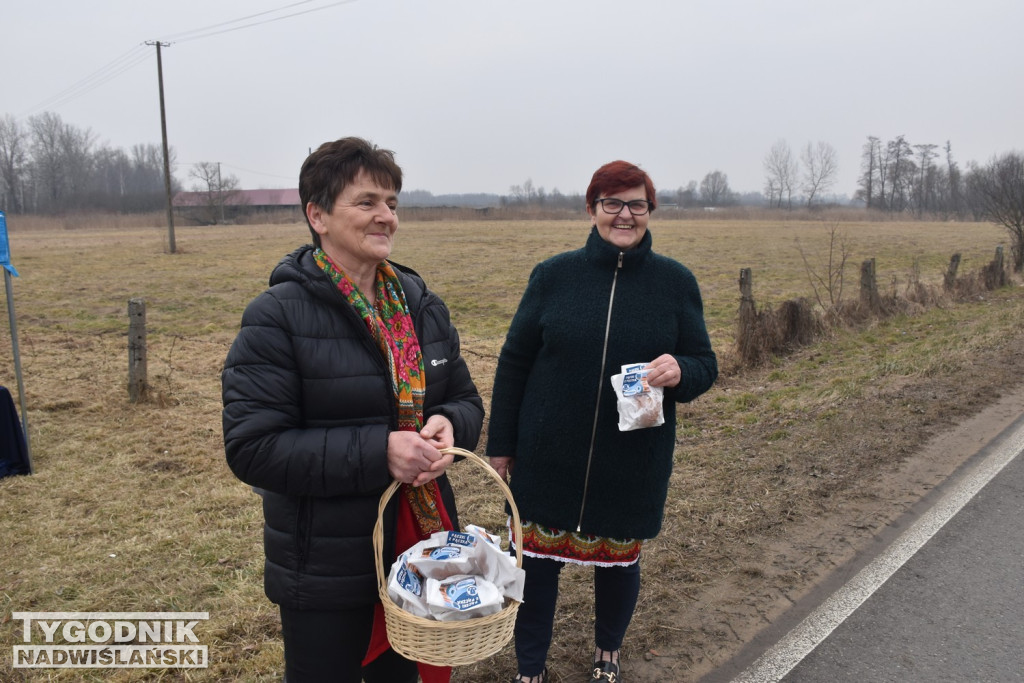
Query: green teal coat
x=549, y=385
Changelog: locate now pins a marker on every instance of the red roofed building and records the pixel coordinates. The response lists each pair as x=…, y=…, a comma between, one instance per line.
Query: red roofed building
x=213, y=207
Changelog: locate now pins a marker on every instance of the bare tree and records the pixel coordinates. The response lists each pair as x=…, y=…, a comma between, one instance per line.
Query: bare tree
x=870, y=166
x=46, y=157
x=62, y=162
x=925, y=189
x=13, y=156
x=827, y=282
x=999, y=186
x=217, y=190
x=882, y=170
x=113, y=171
x=47, y=165
x=687, y=196
x=714, y=189
x=525, y=193
x=973, y=203
x=900, y=170
x=148, y=169
x=77, y=163
x=953, y=202
x=820, y=168
x=780, y=174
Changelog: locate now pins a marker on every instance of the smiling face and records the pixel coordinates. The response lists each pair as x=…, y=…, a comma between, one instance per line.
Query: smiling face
x=623, y=229
x=359, y=231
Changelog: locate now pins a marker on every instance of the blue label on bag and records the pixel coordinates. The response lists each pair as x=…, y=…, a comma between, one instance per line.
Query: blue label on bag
x=463, y=594
x=445, y=552
x=461, y=538
x=634, y=383
x=409, y=579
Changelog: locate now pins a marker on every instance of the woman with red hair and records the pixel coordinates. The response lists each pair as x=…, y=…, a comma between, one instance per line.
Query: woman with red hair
x=589, y=492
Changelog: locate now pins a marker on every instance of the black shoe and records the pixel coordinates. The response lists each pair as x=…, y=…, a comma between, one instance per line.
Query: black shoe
x=519, y=677
x=606, y=671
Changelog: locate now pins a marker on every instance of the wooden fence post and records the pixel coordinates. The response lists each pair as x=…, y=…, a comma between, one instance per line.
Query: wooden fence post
x=748, y=315
x=949, y=279
x=138, y=387
x=869, y=287
x=999, y=268
x=993, y=275
x=747, y=306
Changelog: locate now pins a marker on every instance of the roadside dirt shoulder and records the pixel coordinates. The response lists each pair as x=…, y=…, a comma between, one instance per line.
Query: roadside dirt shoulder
x=782, y=580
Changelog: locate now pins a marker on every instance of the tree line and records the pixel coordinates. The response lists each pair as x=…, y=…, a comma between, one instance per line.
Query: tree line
x=896, y=177
x=919, y=179
x=803, y=179
x=899, y=177
x=48, y=166
x=712, y=191
x=924, y=179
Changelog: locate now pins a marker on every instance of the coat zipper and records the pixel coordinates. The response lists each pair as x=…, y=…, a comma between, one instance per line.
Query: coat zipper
x=600, y=386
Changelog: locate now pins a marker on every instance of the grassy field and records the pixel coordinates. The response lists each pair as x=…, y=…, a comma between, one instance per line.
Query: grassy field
x=132, y=507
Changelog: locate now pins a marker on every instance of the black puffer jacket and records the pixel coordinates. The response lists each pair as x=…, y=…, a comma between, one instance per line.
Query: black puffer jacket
x=308, y=408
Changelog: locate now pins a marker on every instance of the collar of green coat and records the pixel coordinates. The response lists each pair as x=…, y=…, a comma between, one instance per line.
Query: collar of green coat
x=604, y=254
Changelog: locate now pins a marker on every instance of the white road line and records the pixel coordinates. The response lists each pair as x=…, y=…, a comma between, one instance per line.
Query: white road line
x=774, y=664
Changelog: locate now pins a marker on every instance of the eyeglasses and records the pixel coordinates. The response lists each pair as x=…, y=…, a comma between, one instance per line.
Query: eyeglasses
x=637, y=207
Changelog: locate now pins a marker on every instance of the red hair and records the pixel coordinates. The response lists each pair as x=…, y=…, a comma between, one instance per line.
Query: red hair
x=616, y=176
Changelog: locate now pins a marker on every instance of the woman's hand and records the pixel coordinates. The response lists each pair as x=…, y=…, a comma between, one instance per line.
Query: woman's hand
x=412, y=459
x=502, y=465
x=439, y=432
x=664, y=371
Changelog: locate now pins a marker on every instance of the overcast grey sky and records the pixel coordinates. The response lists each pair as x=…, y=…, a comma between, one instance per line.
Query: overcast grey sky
x=479, y=95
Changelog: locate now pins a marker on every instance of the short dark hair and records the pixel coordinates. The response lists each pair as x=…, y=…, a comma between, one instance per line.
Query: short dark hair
x=333, y=165
x=616, y=176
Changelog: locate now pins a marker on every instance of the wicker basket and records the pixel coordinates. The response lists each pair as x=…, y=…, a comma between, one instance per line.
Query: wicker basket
x=445, y=643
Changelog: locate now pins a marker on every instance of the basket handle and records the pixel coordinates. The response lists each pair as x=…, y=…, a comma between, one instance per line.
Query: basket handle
x=385, y=498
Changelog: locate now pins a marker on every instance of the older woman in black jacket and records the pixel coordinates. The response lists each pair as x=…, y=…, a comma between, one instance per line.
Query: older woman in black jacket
x=346, y=374
x=588, y=492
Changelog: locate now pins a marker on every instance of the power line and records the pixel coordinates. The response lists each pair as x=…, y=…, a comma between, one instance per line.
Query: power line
x=105, y=73
x=244, y=170
x=207, y=32
x=269, y=175
x=138, y=54
x=185, y=34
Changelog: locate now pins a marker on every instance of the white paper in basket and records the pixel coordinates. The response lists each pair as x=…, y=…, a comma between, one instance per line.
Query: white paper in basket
x=472, y=554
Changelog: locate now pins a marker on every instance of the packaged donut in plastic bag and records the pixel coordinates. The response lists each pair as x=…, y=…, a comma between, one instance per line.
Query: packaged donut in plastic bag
x=462, y=597
x=445, y=554
x=497, y=566
x=405, y=587
x=455, y=575
x=482, y=533
x=639, y=404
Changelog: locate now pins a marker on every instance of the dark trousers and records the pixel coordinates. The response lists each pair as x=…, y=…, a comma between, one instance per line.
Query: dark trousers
x=329, y=646
x=615, y=594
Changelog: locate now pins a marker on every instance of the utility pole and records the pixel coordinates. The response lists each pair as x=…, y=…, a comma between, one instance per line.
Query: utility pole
x=167, y=160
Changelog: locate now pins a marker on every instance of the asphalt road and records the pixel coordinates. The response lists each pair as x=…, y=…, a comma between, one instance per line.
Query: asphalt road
x=944, y=602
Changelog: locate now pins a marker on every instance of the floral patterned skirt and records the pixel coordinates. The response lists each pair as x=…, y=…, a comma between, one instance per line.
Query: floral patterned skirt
x=577, y=548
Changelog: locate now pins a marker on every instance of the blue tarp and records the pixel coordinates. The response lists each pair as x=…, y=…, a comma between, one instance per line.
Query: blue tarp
x=5, y=247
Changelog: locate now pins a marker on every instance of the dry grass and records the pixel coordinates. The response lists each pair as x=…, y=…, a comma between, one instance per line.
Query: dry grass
x=133, y=508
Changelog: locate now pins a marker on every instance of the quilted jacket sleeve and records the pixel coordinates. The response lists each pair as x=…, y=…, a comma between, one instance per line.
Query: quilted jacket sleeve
x=268, y=440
